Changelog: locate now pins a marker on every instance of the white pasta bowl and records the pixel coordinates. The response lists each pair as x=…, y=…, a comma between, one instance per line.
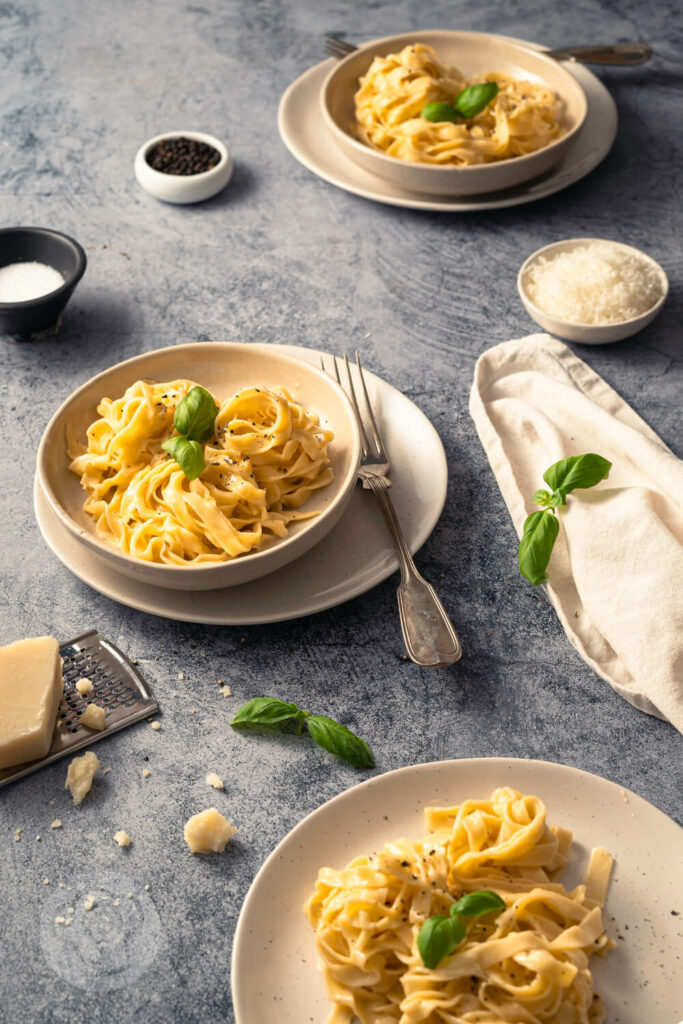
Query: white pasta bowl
x=583, y=333
x=223, y=368
x=473, y=53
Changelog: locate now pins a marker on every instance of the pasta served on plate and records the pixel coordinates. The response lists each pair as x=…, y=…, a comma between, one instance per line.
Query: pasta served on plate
x=525, y=964
x=266, y=457
x=522, y=118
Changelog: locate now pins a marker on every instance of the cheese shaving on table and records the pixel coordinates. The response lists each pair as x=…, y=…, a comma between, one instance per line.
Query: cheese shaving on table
x=595, y=283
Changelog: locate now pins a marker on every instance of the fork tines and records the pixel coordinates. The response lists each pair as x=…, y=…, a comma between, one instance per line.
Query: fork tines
x=336, y=47
x=372, y=450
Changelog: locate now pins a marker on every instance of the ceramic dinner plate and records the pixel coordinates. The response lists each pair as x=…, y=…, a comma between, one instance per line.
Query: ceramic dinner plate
x=274, y=974
x=355, y=556
x=308, y=139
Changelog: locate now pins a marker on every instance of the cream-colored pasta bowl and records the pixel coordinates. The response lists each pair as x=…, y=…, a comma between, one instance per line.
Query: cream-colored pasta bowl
x=473, y=53
x=223, y=368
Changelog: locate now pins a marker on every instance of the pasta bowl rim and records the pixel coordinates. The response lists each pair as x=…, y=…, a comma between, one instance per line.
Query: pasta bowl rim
x=476, y=178
x=220, y=574
x=578, y=330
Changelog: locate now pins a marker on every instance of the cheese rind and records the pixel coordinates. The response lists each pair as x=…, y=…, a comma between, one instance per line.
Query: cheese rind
x=80, y=774
x=208, y=831
x=30, y=691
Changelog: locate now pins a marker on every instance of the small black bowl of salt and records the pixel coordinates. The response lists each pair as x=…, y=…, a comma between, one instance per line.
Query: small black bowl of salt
x=39, y=270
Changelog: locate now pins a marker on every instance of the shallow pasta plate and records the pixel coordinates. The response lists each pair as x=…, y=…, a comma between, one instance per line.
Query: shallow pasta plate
x=224, y=368
x=473, y=53
x=274, y=974
x=304, y=133
x=356, y=555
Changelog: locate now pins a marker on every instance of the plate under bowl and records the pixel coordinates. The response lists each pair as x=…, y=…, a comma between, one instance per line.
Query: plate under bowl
x=473, y=53
x=223, y=367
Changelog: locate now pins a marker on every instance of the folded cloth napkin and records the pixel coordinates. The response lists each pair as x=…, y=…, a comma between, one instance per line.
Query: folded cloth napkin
x=616, y=572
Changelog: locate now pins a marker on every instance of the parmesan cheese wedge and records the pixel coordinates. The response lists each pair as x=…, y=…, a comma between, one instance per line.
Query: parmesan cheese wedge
x=30, y=691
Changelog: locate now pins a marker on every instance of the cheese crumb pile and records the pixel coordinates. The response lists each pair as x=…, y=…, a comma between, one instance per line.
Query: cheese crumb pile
x=595, y=283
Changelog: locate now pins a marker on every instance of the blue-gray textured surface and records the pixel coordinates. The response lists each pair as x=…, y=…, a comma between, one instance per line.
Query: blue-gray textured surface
x=284, y=257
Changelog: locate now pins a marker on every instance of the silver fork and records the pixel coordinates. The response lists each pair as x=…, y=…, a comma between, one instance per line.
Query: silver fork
x=336, y=47
x=429, y=635
x=624, y=54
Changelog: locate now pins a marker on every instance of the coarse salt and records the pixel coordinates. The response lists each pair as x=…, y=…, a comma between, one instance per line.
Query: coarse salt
x=596, y=283
x=20, y=282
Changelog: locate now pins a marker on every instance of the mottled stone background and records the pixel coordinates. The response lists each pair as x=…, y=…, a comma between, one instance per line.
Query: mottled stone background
x=284, y=257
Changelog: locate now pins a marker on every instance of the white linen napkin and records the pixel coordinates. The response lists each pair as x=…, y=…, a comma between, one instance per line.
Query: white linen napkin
x=616, y=572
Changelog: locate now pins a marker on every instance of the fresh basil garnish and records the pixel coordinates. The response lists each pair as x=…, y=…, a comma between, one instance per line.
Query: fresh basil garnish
x=468, y=103
x=541, y=528
x=264, y=711
x=195, y=415
x=576, y=473
x=188, y=454
x=340, y=741
x=472, y=100
x=332, y=736
x=536, y=546
x=474, y=904
x=440, y=112
x=439, y=936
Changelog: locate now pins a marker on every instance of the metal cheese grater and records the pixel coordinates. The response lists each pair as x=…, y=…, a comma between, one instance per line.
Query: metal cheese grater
x=117, y=686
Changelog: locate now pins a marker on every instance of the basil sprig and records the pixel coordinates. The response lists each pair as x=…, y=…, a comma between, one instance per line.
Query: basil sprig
x=334, y=737
x=188, y=454
x=439, y=936
x=541, y=528
x=194, y=420
x=467, y=104
x=195, y=415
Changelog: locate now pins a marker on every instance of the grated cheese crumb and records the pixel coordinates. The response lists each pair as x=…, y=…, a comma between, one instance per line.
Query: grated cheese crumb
x=595, y=283
x=89, y=902
x=155, y=725
x=56, y=823
x=122, y=838
x=215, y=780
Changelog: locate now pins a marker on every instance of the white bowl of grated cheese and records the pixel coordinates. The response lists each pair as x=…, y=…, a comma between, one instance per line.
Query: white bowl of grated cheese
x=592, y=290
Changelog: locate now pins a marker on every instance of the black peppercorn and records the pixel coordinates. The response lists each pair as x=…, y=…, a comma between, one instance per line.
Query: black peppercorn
x=182, y=156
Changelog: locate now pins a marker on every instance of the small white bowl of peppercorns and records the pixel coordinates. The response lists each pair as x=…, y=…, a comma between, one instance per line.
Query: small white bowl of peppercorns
x=183, y=167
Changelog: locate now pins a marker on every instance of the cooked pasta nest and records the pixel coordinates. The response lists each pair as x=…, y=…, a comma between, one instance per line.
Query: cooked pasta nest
x=523, y=118
x=527, y=964
x=267, y=457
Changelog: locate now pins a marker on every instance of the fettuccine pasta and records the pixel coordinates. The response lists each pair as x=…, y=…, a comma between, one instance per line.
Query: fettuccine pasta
x=522, y=118
x=267, y=457
x=527, y=964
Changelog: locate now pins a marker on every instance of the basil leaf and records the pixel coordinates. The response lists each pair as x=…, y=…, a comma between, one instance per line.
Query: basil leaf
x=542, y=497
x=440, y=112
x=195, y=415
x=535, y=547
x=474, y=904
x=472, y=100
x=340, y=741
x=188, y=454
x=576, y=472
x=264, y=711
x=438, y=937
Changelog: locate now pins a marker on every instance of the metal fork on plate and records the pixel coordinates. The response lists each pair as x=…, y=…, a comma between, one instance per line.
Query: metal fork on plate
x=429, y=635
x=622, y=54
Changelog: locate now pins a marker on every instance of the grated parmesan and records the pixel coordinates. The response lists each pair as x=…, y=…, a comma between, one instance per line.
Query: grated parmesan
x=595, y=283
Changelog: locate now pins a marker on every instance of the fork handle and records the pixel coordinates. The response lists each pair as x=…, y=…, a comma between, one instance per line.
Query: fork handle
x=429, y=635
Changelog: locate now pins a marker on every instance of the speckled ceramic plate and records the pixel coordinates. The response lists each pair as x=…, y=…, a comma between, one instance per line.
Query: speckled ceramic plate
x=274, y=974
x=308, y=139
x=355, y=556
